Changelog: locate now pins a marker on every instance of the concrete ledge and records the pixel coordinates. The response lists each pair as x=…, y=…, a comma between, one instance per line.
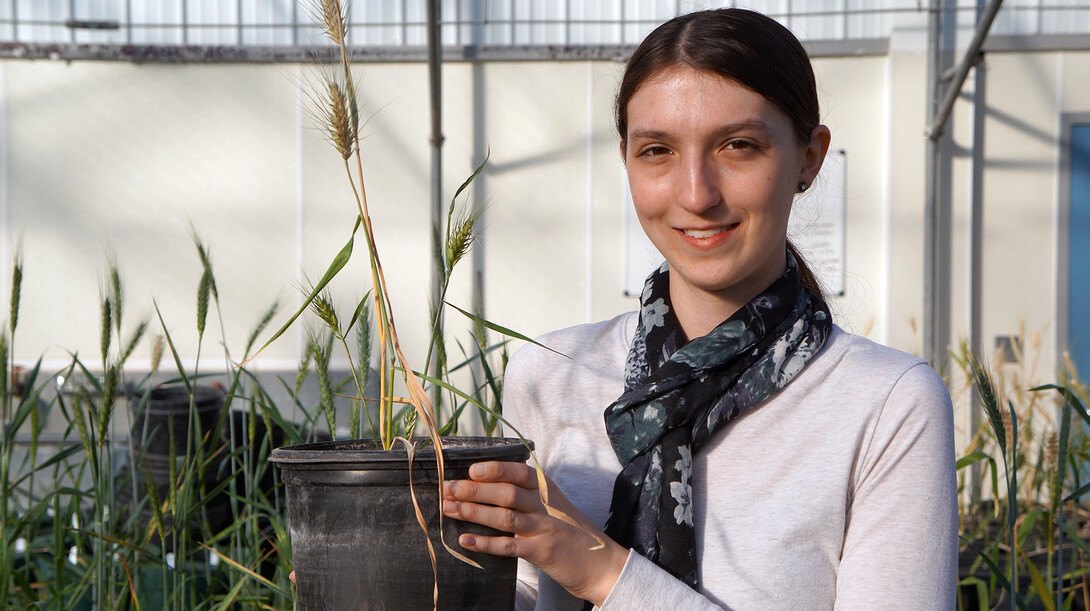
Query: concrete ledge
x=289, y=54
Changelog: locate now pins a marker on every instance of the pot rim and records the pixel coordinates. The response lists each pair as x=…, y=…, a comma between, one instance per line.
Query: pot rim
x=167, y=399
x=365, y=450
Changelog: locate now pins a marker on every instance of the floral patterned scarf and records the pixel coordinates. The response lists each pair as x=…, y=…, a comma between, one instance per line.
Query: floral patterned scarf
x=676, y=396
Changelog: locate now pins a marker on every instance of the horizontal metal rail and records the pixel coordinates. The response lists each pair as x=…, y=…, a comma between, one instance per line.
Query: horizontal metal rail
x=124, y=28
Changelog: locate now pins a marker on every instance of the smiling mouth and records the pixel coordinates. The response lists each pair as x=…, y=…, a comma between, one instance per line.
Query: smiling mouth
x=706, y=233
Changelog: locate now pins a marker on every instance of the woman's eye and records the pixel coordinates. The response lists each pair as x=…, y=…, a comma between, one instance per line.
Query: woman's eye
x=739, y=144
x=654, y=151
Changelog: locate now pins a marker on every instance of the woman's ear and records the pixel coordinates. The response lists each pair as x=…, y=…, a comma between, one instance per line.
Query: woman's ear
x=813, y=154
x=624, y=152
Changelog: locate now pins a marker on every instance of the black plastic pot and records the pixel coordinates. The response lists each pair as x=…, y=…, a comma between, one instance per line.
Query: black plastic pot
x=167, y=409
x=356, y=543
x=154, y=471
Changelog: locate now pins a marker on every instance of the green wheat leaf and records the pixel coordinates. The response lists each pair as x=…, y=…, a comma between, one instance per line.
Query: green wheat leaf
x=173, y=349
x=334, y=268
x=503, y=330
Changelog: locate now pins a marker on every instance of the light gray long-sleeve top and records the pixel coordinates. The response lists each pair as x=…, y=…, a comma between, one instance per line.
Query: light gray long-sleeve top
x=838, y=492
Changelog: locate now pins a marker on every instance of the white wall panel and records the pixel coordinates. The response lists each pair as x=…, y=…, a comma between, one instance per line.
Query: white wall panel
x=117, y=157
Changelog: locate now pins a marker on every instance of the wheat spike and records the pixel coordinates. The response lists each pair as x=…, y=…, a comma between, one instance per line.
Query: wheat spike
x=137, y=335
x=338, y=116
x=332, y=19
x=260, y=326
x=322, y=306
x=462, y=235
x=16, y=286
x=203, y=290
x=320, y=351
x=115, y=286
x=999, y=418
x=156, y=352
x=107, y=327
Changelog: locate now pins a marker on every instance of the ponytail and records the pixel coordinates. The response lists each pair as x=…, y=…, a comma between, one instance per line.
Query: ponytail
x=806, y=275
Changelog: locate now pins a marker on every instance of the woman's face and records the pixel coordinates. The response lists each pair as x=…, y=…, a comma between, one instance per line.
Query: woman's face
x=713, y=168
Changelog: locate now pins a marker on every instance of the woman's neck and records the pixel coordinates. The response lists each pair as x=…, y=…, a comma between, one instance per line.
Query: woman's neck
x=698, y=312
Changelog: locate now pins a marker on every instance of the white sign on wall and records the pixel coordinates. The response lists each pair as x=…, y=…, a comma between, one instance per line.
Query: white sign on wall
x=816, y=228
x=817, y=224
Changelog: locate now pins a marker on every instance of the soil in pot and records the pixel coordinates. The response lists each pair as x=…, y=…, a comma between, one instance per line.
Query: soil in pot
x=356, y=543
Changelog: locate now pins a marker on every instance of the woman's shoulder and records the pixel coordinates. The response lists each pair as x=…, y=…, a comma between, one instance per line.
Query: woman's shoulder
x=852, y=361
x=850, y=350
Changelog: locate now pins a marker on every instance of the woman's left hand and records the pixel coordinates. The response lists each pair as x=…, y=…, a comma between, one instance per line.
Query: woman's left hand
x=504, y=496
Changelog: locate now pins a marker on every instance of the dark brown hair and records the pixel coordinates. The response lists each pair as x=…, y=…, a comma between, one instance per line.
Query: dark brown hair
x=746, y=47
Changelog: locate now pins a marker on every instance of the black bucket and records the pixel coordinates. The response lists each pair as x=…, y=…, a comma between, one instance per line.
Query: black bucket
x=154, y=471
x=356, y=543
x=167, y=407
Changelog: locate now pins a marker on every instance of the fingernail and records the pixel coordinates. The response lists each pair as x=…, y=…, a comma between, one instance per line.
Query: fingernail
x=477, y=470
x=448, y=488
x=450, y=507
x=467, y=540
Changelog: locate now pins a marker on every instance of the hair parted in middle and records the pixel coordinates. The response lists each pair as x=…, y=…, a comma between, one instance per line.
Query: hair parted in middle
x=744, y=46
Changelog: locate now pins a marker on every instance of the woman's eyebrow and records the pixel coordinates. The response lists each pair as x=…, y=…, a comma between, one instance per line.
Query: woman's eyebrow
x=748, y=125
x=719, y=132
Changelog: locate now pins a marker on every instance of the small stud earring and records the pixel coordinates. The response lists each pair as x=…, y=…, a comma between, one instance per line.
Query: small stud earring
x=803, y=186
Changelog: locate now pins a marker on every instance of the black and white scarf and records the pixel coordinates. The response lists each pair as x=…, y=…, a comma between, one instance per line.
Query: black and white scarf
x=676, y=396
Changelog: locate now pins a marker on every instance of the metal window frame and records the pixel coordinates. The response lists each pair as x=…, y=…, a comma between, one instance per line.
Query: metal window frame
x=1068, y=121
x=840, y=12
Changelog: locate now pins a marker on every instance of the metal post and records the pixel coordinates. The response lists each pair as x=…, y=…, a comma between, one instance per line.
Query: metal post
x=238, y=13
x=941, y=39
x=934, y=74
x=185, y=23
x=844, y=33
x=961, y=72
x=72, y=19
x=936, y=314
x=128, y=21
x=480, y=185
x=14, y=20
x=567, y=22
x=976, y=252
x=480, y=151
x=436, y=100
x=295, y=23
x=622, y=23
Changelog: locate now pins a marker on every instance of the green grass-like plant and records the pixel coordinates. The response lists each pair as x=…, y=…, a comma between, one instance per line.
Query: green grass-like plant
x=1024, y=526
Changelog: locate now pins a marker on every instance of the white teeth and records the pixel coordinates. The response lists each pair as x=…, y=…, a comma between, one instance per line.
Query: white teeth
x=703, y=233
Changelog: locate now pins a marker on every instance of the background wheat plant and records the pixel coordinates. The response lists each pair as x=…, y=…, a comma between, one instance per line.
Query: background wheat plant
x=1024, y=523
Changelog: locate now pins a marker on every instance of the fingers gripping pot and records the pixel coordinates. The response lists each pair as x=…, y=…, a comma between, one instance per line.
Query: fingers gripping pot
x=356, y=542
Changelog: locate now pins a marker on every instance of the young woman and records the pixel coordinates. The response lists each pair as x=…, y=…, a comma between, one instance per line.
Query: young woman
x=752, y=455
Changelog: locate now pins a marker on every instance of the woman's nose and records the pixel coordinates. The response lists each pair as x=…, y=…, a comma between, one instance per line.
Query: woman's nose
x=699, y=189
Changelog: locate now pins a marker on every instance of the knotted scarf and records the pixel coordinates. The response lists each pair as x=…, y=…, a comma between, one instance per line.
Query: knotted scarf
x=676, y=396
